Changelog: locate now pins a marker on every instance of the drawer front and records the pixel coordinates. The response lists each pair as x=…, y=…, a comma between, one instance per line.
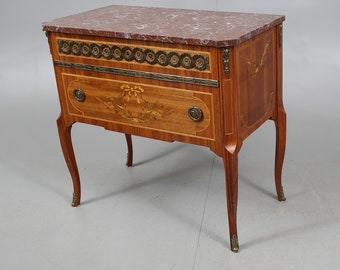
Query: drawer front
x=145, y=106
x=174, y=63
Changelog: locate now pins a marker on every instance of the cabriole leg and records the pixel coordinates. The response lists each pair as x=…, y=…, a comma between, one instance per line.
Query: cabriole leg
x=66, y=145
x=280, y=124
x=230, y=160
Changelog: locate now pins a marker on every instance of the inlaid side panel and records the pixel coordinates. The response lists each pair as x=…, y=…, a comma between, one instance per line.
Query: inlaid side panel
x=255, y=75
x=140, y=105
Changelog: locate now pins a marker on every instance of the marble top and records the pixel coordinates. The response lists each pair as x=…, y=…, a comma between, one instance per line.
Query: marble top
x=184, y=26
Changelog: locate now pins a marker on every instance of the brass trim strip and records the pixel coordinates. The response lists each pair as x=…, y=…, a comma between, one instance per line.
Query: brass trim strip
x=139, y=74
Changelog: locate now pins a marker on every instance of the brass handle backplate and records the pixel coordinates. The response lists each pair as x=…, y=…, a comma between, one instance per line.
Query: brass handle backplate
x=195, y=114
x=79, y=95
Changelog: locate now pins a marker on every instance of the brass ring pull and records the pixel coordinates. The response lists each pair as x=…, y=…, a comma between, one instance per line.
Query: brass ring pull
x=79, y=95
x=195, y=114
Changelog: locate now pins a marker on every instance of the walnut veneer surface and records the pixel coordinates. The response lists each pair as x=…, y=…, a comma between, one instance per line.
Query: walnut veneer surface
x=201, y=77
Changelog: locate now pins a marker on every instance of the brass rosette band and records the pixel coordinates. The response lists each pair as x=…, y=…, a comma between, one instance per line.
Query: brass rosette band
x=139, y=55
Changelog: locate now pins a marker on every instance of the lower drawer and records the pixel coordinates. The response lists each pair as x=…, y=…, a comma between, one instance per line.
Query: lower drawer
x=147, y=106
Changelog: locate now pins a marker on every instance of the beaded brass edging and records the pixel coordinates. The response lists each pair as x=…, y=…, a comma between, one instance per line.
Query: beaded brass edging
x=139, y=74
x=134, y=54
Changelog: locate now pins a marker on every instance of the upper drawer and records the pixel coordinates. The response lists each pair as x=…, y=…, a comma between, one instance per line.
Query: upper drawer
x=183, y=61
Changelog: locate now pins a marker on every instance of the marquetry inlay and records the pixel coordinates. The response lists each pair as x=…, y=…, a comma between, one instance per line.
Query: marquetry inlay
x=253, y=66
x=134, y=95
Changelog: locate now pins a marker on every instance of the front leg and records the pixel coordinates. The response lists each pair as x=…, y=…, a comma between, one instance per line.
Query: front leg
x=129, y=161
x=230, y=160
x=66, y=145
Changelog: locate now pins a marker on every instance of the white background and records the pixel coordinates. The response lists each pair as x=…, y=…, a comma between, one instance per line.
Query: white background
x=33, y=172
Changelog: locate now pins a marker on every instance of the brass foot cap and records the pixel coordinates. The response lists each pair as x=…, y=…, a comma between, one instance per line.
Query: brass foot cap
x=282, y=197
x=75, y=201
x=234, y=244
x=235, y=249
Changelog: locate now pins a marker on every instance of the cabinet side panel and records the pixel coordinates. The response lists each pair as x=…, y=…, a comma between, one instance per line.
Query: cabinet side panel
x=255, y=75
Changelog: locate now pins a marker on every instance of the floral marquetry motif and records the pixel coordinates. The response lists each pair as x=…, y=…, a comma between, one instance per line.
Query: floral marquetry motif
x=125, y=53
x=132, y=105
x=253, y=66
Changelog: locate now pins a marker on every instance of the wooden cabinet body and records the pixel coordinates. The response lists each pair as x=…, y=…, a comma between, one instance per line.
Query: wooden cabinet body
x=213, y=93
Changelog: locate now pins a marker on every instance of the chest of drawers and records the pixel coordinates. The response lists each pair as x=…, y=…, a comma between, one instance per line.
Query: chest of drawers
x=201, y=77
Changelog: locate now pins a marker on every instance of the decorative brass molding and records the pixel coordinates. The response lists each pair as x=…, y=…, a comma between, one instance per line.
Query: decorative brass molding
x=133, y=54
x=226, y=61
x=141, y=110
x=234, y=243
x=282, y=194
x=139, y=74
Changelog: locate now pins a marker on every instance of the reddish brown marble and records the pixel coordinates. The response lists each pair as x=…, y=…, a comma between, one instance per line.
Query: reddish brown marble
x=183, y=26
